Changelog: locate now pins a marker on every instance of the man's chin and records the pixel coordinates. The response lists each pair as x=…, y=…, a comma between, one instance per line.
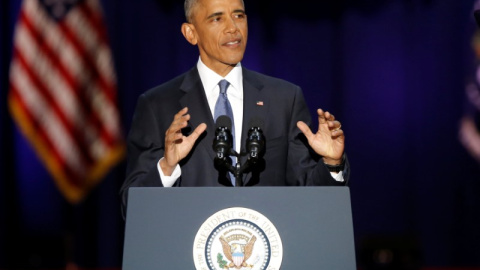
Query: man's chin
x=234, y=61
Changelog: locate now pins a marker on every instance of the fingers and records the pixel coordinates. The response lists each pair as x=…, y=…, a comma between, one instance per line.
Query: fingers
x=321, y=116
x=324, y=116
x=177, y=146
x=336, y=128
x=334, y=125
x=337, y=133
x=180, y=120
x=305, y=129
x=174, y=132
x=197, y=132
x=329, y=140
x=329, y=119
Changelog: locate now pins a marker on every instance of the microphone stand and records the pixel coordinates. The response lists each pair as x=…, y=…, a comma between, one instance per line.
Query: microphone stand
x=238, y=175
x=236, y=170
x=239, y=169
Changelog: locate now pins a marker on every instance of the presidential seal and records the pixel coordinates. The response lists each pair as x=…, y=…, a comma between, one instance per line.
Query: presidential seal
x=237, y=238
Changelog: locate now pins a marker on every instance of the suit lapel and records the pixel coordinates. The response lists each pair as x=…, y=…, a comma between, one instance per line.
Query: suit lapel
x=198, y=108
x=255, y=105
x=255, y=102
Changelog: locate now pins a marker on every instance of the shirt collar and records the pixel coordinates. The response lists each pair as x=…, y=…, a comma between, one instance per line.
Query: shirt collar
x=210, y=79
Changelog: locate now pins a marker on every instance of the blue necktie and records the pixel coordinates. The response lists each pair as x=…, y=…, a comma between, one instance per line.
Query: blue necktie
x=223, y=107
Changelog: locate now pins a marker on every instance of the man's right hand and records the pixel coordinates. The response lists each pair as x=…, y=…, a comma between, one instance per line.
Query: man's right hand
x=177, y=146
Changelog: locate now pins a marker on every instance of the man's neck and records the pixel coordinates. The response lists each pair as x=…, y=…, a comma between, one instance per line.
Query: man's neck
x=223, y=70
x=226, y=69
x=220, y=69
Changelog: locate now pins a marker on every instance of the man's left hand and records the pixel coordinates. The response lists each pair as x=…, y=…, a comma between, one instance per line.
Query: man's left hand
x=329, y=141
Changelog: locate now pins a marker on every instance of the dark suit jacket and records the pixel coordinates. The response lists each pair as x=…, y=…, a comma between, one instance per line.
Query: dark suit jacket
x=287, y=161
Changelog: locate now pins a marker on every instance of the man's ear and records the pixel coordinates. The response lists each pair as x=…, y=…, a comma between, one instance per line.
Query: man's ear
x=188, y=31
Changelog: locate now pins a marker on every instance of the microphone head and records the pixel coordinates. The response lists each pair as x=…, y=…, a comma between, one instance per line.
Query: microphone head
x=222, y=143
x=256, y=122
x=476, y=14
x=255, y=139
x=223, y=121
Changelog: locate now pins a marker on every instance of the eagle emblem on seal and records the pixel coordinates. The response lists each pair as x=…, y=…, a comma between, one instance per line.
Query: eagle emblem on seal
x=237, y=253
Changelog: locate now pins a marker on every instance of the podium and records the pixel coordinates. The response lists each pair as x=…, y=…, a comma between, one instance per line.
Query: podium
x=239, y=228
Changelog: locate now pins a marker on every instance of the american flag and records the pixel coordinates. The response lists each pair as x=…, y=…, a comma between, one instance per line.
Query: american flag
x=63, y=91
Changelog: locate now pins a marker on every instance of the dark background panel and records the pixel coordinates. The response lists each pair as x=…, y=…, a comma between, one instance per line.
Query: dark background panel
x=394, y=72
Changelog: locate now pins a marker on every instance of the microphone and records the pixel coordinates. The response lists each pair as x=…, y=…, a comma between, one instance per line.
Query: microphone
x=476, y=14
x=255, y=139
x=223, y=141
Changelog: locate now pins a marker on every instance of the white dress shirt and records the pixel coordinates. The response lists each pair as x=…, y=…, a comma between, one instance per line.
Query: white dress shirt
x=210, y=81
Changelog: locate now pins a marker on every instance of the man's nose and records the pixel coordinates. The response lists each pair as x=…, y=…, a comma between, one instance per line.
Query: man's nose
x=231, y=26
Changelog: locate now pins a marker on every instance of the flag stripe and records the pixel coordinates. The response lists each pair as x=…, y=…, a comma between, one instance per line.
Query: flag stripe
x=85, y=67
x=44, y=55
x=104, y=61
x=83, y=40
x=53, y=156
x=75, y=110
x=72, y=106
x=42, y=90
x=79, y=109
x=42, y=105
x=63, y=93
x=103, y=58
x=95, y=78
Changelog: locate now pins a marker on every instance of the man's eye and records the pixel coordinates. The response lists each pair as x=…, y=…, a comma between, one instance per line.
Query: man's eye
x=240, y=16
x=216, y=19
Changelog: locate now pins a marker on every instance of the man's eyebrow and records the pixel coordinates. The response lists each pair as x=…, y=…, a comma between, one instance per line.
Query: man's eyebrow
x=215, y=14
x=221, y=13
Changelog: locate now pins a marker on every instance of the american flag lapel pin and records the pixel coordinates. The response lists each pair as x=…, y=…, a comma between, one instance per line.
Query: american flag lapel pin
x=259, y=103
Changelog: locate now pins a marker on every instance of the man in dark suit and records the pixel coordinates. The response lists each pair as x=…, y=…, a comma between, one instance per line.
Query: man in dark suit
x=170, y=142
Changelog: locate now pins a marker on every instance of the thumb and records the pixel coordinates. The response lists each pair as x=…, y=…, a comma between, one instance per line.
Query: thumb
x=304, y=129
x=197, y=132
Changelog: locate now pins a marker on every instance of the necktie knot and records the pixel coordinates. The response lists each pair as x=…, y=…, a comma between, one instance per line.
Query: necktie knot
x=223, y=86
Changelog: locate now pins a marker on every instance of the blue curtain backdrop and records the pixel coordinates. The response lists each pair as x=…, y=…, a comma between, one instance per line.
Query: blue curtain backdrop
x=394, y=72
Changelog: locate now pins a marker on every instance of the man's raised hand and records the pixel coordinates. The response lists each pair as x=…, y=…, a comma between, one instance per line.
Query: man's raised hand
x=177, y=146
x=329, y=140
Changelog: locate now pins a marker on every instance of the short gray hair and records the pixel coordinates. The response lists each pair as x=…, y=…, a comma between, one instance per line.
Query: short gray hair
x=188, y=5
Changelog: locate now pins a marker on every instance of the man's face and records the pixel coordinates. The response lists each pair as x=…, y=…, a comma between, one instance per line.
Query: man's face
x=219, y=28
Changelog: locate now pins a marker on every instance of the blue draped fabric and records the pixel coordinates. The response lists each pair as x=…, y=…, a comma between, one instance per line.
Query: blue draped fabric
x=393, y=72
